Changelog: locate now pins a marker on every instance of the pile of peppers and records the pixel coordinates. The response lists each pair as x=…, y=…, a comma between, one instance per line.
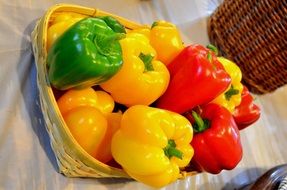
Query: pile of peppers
x=144, y=99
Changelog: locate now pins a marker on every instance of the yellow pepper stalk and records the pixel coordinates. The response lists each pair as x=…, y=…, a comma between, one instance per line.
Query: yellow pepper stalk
x=166, y=40
x=88, y=114
x=60, y=24
x=152, y=144
x=142, y=79
x=231, y=97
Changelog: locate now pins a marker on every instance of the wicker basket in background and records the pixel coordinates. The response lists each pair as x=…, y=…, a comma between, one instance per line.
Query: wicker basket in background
x=253, y=33
x=72, y=160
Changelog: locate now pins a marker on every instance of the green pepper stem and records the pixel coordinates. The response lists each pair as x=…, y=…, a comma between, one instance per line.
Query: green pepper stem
x=231, y=92
x=209, y=57
x=147, y=59
x=154, y=24
x=103, y=43
x=170, y=150
x=200, y=124
x=212, y=48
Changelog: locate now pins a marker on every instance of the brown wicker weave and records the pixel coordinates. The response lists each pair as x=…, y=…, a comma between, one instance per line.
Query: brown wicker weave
x=253, y=33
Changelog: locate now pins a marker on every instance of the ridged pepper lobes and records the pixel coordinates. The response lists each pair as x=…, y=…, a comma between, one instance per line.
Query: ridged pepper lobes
x=247, y=112
x=88, y=114
x=60, y=24
x=152, y=145
x=231, y=97
x=86, y=97
x=165, y=39
x=86, y=54
x=196, y=78
x=216, y=141
x=142, y=79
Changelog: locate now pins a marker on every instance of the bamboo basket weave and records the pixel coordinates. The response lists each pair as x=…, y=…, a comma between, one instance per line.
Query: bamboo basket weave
x=254, y=35
x=72, y=160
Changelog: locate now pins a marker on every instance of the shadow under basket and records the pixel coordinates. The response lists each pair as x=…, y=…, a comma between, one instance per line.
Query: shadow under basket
x=254, y=35
x=72, y=160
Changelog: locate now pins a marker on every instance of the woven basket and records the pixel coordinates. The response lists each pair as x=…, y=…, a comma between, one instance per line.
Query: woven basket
x=72, y=160
x=254, y=35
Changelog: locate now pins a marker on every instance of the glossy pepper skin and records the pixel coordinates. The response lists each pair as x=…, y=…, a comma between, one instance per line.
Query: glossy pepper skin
x=247, y=112
x=166, y=40
x=60, y=24
x=196, y=78
x=143, y=78
x=231, y=97
x=153, y=144
x=216, y=141
x=86, y=54
x=88, y=114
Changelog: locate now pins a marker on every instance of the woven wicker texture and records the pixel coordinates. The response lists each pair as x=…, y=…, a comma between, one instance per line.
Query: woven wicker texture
x=72, y=160
x=254, y=35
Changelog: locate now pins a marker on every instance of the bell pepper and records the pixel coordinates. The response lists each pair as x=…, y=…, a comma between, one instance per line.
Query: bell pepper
x=231, y=97
x=86, y=97
x=142, y=79
x=88, y=114
x=165, y=39
x=60, y=24
x=143, y=30
x=152, y=145
x=216, y=141
x=113, y=24
x=196, y=78
x=246, y=113
x=86, y=54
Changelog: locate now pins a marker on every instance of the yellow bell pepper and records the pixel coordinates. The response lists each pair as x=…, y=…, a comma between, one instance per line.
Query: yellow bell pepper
x=144, y=30
x=60, y=24
x=152, y=144
x=88, y=115
x=165, y=39
x=231, y=97
x=86, y=97
x=142, y=79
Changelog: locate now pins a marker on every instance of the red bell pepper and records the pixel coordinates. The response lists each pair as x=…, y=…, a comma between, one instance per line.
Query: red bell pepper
x=216, y=141
x=246, y=113
x=196, y=78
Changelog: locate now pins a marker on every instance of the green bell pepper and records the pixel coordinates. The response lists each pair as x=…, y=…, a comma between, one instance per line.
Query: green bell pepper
x=88, y=53
x=114, y=24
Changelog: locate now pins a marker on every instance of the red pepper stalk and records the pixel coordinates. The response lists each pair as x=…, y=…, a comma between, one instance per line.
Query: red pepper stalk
x=216, y=141
x=246, y=113
x=196, y=78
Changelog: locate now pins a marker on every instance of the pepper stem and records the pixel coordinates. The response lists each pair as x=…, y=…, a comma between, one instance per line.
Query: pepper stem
x=231, y=92
x=147, y=59
x=154, y=24
x=170, y=150
x=200, y=124
x=103, y=43
x=213, y=48
x=209, y=57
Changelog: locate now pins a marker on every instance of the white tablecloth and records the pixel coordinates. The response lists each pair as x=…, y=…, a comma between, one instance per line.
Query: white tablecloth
x=26, y=158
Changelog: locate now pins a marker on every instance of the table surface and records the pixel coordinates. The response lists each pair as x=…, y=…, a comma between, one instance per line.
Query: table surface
x=26, y=158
